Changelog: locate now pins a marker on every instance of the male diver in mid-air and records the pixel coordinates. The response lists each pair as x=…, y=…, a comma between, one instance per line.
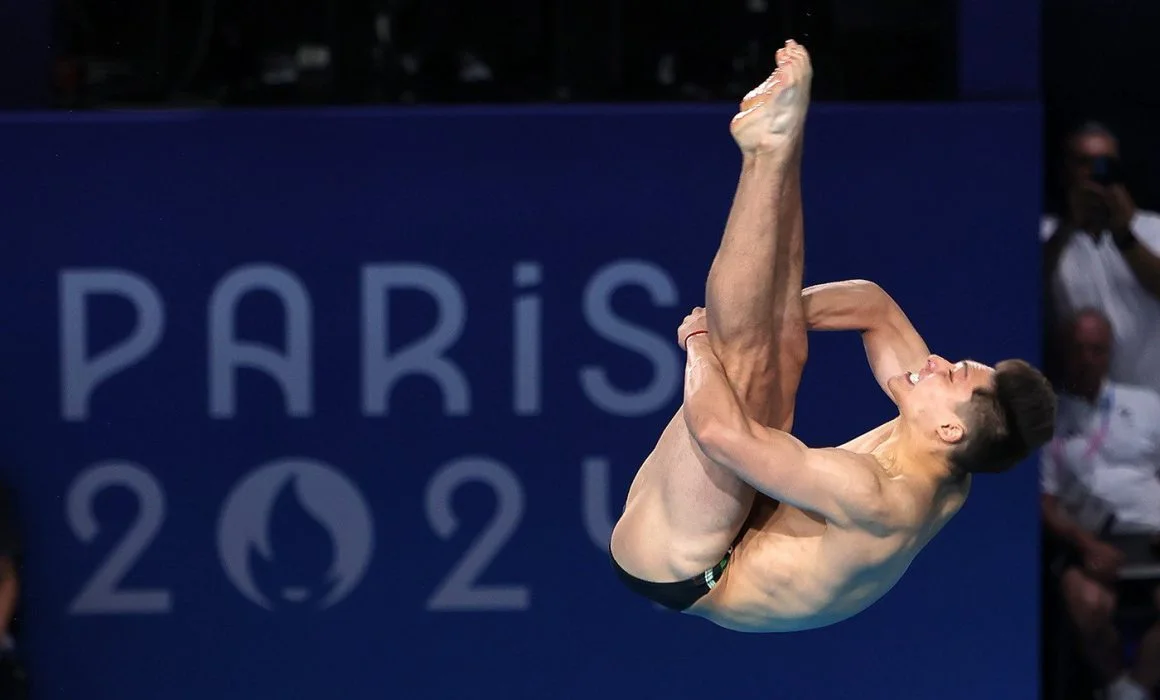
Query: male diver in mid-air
x=734, y=520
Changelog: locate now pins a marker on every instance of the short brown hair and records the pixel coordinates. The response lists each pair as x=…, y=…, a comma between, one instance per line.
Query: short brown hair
x=1007, y=421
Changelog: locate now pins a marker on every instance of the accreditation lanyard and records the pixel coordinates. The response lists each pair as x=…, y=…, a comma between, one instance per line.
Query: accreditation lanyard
x=1098, y=438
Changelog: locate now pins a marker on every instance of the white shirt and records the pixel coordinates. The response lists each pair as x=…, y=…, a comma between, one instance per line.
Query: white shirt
x=1105, y=459
x=1094, y=274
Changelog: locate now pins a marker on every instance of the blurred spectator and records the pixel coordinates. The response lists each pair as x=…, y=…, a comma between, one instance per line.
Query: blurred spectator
x=1100, y=494
x=1102, y=252
x=12, y=678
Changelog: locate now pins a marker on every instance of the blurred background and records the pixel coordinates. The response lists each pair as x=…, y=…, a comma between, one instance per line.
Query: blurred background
x=149, y=54
x=233, y=54
x=338, y=328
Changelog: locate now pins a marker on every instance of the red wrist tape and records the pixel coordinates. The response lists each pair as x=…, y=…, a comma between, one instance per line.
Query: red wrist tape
x=693, y=334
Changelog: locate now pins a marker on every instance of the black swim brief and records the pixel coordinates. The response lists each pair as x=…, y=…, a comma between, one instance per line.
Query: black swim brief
x=674, y=595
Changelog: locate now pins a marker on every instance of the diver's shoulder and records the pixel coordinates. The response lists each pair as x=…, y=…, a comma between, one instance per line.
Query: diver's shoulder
x=952, y=500
x=921, y=503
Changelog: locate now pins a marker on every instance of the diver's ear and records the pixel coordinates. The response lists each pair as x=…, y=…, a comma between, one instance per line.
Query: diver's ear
x=951, y=433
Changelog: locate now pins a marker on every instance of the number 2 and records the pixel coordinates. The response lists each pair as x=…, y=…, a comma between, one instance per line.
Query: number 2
x=101, y=595
x=460, y=590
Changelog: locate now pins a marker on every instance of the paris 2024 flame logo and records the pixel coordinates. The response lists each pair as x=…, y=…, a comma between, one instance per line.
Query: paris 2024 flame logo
x=329, y=499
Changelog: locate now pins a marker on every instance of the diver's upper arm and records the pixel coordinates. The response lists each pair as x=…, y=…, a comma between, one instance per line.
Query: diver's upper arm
x=893, y=346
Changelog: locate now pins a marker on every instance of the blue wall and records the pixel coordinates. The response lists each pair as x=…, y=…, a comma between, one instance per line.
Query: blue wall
x=196, y=531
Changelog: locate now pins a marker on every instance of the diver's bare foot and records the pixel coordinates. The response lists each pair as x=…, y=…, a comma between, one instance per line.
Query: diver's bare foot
x=772, y=114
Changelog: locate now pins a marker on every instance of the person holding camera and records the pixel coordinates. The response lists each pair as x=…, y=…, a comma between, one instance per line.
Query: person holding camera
x=1104, y=253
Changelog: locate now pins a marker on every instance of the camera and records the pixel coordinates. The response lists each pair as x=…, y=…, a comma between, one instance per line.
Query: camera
x=1106, y=170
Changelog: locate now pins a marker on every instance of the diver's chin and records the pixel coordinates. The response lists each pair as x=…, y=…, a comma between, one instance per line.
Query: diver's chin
x=900, y=386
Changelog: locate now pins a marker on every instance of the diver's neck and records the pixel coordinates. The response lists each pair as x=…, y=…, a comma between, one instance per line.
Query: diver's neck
x=903, y=454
